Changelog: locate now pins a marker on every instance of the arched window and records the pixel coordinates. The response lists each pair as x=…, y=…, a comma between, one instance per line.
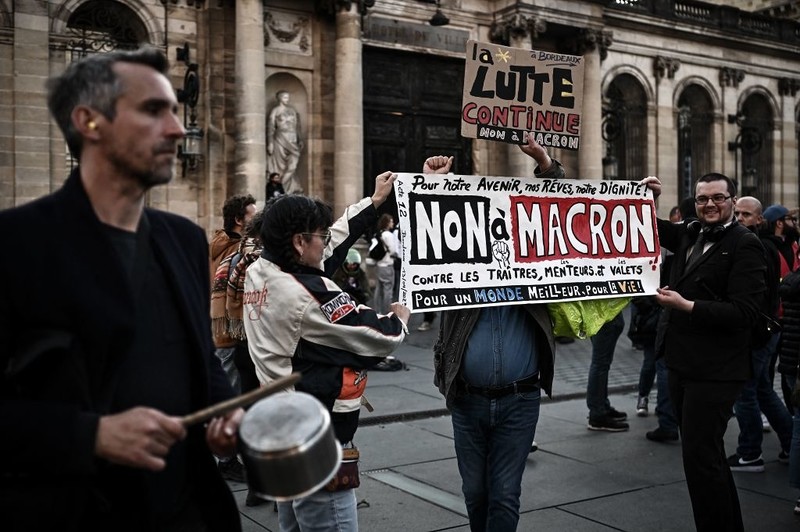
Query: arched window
x=695, y=119
x=102, y=26
x=625, y=129
x=754, y=171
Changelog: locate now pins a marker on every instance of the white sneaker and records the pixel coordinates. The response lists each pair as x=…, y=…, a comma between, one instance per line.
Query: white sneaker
x=765, y=424
x=424, y=326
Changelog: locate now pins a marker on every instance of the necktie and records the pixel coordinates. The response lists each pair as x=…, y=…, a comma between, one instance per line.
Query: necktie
x=697, y=250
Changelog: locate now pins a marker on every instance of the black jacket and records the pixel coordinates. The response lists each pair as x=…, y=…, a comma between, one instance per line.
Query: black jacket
x=727, y=285
x=66, y=320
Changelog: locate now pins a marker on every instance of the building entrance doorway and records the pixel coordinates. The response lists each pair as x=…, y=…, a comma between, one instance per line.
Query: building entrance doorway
x=412, y=110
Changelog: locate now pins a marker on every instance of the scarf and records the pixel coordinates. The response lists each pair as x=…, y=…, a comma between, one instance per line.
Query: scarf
x=248, y=253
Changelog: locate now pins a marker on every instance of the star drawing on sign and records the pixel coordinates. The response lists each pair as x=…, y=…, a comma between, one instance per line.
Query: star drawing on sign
x=503, y=56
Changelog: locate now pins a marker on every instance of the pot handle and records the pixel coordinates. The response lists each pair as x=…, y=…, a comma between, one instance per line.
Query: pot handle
x=243, y=400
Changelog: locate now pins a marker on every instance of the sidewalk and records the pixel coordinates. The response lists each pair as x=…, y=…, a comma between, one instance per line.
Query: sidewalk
x=579, y=480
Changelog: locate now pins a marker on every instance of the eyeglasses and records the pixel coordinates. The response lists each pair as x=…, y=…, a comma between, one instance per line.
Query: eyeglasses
x=718, y=199
x=326, y=236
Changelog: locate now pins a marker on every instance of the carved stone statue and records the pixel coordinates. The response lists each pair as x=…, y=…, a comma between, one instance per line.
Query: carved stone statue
x=283, y=142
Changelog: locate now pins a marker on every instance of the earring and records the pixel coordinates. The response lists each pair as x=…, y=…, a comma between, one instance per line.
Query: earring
x=91, y=125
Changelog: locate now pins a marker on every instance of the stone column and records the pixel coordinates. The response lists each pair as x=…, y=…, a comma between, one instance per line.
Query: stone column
x=28, y=138
x=785, y=188
x=665, y=164
x=594, y=48
x=348, y=114
x=729, y=79
x=251, y=154
x=514, y=31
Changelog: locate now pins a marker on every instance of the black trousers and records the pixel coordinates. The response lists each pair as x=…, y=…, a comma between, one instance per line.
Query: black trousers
x=703, y=409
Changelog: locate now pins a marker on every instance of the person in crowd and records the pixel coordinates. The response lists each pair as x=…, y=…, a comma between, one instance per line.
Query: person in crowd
x=274, y=186
x=298, y=320
x=675, y=215
x=788, y=364
x=782, y=231
x=667, y=429
x=710, y=305
x=94, y=382
x=237, y=211
x=248, y=252
x=758, y=394
x=384, y=268
x=427, y=321
x=491, y=364
x=603, y=416
x=284, y=142
x=782, y=227
x=352, y=279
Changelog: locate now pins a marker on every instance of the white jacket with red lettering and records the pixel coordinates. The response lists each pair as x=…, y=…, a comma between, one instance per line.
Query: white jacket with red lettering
x=302, y=321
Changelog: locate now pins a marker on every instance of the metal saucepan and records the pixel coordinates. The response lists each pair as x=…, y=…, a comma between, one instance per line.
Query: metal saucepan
x=288, y=446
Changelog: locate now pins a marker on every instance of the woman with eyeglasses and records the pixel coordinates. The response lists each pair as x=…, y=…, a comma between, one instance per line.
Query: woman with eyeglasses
x=297, y=319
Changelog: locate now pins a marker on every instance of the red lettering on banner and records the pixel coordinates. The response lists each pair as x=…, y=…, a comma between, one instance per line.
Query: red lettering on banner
x=570, y=228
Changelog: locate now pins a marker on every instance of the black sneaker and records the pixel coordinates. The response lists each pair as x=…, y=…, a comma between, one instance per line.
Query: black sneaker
x=661, y=435
x=253, y=500
x=607, y=424
x=615, y=414
x=534, y=447
x=739, y=463
x=231, y=470
x=783, y=457
x=642, y=408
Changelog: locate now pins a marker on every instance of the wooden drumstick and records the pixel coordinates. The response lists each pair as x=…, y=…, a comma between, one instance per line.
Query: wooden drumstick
x=241, y=401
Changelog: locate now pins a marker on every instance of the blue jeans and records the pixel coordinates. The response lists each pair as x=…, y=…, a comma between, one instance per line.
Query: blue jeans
x=758, y=396
x=794, y=453
x=322, y=511
x=603, y=345
x=664, y=410
x=492, y=440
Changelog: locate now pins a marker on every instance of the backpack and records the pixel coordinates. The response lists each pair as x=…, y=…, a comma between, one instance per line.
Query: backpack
x=376, y=248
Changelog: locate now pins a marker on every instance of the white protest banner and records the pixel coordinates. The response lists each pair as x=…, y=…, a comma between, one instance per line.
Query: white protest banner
x=510, y=93
x=475, y=241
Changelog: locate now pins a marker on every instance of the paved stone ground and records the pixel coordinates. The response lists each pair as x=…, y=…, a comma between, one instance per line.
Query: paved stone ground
x=578, y=481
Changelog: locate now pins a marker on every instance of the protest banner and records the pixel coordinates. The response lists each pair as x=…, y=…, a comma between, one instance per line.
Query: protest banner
x=510, y=93
x=475, y=241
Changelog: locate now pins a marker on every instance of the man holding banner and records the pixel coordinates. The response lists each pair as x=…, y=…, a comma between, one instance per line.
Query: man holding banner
x=491, y=364
x=715, y=291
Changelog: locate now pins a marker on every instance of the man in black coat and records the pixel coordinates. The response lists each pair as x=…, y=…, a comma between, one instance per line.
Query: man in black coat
x=715, y=291
x=105, y=337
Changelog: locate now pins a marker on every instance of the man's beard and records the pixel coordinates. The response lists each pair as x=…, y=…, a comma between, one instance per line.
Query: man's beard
x=791, y=233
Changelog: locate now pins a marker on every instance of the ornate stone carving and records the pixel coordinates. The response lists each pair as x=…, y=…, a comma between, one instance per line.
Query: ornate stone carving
x=665, y=66
x=516, y=26
x=287, y=32
x=331, y=7
x=589, y=40
x=730, y=77
x=788, y=86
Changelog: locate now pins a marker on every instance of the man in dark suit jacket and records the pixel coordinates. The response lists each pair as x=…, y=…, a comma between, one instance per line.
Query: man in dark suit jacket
x=712, y=301
x=105, y=337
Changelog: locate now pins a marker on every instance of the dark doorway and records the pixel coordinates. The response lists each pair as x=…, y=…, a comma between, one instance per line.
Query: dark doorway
x=412, y=110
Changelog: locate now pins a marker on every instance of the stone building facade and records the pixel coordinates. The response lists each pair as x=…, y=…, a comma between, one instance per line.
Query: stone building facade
x=673, y=88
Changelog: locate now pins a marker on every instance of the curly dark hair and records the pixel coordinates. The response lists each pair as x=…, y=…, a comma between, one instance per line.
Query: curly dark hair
x=286, y=216
x=235, y=207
